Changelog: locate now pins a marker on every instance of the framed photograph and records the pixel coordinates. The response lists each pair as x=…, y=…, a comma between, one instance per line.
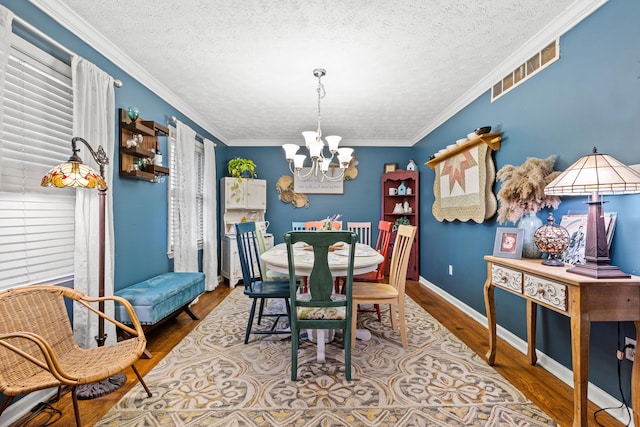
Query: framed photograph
x=576, y=225
x=390, y=167
x=508, y=243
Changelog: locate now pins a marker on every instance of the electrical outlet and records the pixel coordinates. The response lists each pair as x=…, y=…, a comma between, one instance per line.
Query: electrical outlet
x=450, y=270
x=630, y=352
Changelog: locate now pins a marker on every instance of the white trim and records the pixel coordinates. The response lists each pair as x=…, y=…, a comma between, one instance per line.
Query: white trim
x=596, y=394
x=344, y=142
x=558, y=27
x=69, y=19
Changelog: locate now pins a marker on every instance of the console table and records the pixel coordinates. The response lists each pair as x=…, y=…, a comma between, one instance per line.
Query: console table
x=583, y=299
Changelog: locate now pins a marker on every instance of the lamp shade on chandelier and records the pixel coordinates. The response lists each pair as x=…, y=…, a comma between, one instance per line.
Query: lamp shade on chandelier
x=320, y=164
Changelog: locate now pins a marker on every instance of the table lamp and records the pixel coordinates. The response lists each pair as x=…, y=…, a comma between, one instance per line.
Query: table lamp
x=74, y=173
x=594, y=175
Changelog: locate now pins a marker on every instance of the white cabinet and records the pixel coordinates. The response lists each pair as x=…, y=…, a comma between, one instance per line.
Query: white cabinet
x=241, y=200
x=250, y=194
x=230, y=267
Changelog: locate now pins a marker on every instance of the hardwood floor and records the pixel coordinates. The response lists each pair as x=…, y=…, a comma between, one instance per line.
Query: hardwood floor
x=545, y=390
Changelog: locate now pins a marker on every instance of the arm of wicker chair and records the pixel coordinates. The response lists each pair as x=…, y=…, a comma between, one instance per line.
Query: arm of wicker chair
x=52, y=364
x=84, y=300
x=137, y=327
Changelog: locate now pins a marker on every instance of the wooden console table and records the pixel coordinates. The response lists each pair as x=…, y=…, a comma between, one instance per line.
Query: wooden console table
x=582, y=298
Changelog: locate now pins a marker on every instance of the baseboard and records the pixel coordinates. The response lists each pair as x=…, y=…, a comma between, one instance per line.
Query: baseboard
x=596, y=394
x=23, y=406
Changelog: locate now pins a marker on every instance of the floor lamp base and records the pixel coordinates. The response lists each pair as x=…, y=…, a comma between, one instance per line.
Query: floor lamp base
x=101, y=388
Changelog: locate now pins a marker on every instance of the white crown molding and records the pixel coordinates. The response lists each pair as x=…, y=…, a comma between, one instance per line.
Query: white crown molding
x=73, y=22
x=559, y=26
x=351, y=143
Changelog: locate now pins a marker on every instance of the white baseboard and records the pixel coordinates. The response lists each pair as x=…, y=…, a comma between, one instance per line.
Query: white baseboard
x=596, y=394
x=23, y=406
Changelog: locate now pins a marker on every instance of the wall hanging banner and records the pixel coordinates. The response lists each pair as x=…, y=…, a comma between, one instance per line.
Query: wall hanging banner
x=463, y=186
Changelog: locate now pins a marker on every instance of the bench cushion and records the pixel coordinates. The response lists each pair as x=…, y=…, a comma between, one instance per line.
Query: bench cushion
x=158, y=297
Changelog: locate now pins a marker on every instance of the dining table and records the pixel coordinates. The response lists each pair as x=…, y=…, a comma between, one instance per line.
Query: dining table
x=366, y=259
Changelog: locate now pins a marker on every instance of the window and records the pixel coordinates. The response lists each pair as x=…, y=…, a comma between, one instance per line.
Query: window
x=36, y=223
x=173, y=180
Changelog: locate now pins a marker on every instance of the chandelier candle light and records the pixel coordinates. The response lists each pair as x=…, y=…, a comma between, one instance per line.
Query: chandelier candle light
x=313, y=141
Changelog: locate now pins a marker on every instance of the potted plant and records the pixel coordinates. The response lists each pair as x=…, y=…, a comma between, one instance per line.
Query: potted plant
x=242, y=168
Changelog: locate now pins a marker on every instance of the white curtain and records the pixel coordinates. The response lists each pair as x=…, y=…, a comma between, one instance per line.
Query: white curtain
x=93, y=120
x=185, y=246
x=6, y=18
x=209, y=223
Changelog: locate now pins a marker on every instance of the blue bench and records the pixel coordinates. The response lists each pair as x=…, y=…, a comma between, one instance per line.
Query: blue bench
x=158, y=298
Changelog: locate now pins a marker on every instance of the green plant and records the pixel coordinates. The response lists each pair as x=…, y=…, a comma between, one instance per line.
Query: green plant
x=238, y=167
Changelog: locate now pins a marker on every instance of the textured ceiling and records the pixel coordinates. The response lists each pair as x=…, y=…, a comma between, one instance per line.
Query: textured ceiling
x=244, y=68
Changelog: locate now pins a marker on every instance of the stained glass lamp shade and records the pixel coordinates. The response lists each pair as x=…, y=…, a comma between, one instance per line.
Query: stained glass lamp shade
x=596, y=174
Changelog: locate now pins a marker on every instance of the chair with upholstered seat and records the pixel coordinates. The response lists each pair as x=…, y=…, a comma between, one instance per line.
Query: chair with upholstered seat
x=320, y=308
x=38, y=349
x=393, y=292
x=362, y=229
x=255, y=287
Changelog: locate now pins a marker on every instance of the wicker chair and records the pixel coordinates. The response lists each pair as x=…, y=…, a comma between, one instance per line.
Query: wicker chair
x=38, y=350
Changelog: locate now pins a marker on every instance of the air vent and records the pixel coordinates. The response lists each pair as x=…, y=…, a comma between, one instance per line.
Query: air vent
x=533, y=65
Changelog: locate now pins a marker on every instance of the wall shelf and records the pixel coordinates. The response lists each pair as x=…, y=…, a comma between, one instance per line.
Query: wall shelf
x=491, y=139
x=130, y=156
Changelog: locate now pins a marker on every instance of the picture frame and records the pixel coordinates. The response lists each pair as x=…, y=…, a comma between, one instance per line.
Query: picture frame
x=508, y=242
x=576, y=226
x=390, y=167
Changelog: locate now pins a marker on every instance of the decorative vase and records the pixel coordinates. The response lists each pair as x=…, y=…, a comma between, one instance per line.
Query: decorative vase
x=530, y=223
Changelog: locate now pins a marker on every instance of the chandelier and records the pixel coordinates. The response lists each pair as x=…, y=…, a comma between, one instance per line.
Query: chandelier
x=320, y=164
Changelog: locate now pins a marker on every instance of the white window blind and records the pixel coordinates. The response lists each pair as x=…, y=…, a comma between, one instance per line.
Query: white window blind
x=36, y=223
x=172, y=228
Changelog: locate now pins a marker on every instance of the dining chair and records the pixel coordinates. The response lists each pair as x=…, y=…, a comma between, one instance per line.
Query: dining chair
x=362, y=229
x=254, y=286
x=393, y=292
x=297, y=225
x=317, y=225
x=382, y=246
x=38, y=350
x=320, y=308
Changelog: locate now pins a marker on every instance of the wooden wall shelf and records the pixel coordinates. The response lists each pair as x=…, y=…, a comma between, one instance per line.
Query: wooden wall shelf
x=491, y=139
x=129, y=156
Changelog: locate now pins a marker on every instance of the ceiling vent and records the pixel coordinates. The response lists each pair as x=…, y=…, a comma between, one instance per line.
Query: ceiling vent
x=533, y=65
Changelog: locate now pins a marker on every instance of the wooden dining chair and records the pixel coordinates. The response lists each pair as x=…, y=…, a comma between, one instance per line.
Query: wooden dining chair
x=362, y=229
x=255, y=287
x=393, y=292
x=378, y=275
x=320, y=308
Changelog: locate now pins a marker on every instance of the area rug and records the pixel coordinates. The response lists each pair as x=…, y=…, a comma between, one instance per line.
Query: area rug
x=212, y=378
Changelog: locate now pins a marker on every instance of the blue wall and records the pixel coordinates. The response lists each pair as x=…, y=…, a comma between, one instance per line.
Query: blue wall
x=591, y=96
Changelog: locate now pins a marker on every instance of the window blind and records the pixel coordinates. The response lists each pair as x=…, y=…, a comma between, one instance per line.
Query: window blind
x=36, y=223
x=173, y=226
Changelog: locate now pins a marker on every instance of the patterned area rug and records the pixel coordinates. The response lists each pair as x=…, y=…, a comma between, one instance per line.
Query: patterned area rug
x=212, y=378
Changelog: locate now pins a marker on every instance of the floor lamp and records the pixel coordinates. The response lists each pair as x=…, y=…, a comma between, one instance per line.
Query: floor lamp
x=74, y=173
x=593, y=175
